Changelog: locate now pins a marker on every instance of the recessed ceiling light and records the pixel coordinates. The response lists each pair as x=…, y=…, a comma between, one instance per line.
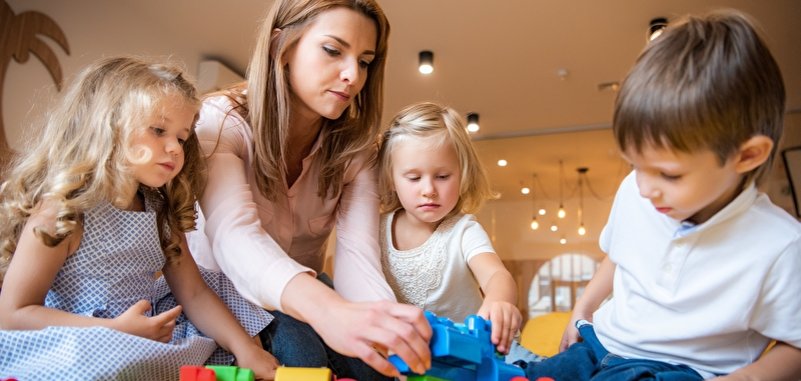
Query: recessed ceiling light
x=472, y=122
x=426, y=62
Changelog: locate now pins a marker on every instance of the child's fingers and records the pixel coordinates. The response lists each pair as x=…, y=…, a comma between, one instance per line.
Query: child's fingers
x=141, y=307
x=504, y=336
x=498, y=328
x=167, y=316
x=165, y=331
x=165, y=338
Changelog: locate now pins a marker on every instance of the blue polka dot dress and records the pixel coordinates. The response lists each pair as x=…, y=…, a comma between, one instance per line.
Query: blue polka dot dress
x=115, y=266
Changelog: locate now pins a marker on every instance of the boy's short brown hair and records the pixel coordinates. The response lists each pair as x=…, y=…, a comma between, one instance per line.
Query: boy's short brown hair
x=708, y=82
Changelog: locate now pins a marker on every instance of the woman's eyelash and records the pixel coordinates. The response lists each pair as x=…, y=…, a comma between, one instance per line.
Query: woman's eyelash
x=331, y=51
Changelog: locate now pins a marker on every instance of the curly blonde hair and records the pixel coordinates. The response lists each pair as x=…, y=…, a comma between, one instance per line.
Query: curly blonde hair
x=82, y=157
x=442, y=125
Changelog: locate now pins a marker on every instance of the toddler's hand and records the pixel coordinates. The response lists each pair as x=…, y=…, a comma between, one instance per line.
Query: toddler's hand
x=157, y=327
x=506, y=320
x=261, y=362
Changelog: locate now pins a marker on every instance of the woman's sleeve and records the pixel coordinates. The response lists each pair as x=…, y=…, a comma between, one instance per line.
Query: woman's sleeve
x=244, y=251
x=357, y=263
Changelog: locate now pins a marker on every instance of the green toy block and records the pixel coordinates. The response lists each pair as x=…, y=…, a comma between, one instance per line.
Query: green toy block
x=232, y=373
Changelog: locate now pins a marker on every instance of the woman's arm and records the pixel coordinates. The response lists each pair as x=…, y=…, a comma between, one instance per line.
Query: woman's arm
x=31, y=273
x=357, y=263
x=500, y=298
x=253, y=261
x=599, y=288
x=206, y=311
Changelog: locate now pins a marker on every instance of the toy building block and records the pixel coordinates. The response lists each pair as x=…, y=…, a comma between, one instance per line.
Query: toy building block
x=232, y=373
x=462, y=352
x=215, y=373
x=285, y=373
x=196, y=373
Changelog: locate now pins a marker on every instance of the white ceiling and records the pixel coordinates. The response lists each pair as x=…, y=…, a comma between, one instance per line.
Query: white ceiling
x=501, y=59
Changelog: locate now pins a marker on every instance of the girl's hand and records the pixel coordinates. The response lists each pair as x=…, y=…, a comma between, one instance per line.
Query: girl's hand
x=571, y=334
x=157, y=327
x=261, y=362
x=506, y=320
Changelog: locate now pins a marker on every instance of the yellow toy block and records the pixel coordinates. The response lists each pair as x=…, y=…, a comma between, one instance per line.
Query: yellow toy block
x=302, y=374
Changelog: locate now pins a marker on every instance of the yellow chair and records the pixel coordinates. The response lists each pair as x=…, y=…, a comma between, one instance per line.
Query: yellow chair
x=543, y=333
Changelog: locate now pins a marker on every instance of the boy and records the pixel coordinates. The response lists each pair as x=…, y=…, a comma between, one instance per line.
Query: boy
x=704, y=269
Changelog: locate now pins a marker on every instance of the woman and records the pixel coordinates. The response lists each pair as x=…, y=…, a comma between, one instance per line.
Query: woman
x=291, y=154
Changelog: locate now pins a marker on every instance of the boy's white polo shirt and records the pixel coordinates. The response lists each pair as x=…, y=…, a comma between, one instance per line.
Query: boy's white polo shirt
x=711, y=297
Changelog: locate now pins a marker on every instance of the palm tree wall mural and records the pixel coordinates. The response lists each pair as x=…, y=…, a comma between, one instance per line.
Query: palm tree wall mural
x=19, y=37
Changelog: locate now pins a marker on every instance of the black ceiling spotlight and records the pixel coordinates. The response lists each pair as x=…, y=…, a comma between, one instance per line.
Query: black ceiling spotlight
x=472, y=122
x=426, y=62
x=656, y=27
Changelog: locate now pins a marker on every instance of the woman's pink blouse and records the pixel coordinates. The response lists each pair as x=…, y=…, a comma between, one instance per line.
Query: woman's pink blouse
x=260, y=244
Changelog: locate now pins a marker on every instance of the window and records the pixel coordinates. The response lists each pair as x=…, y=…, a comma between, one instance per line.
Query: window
x=559, y=283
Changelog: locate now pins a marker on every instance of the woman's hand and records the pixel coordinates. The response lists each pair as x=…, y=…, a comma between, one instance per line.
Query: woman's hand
x=157, y=327
x=506, y=320
x=366, y=330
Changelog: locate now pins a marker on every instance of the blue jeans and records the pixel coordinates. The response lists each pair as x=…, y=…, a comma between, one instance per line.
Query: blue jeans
x=296, y=344
x=589, y=360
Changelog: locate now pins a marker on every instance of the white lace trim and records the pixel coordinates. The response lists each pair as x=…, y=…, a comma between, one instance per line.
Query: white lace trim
x=413, y=274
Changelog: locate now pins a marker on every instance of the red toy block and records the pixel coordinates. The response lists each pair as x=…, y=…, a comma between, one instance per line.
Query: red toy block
x=197, y=373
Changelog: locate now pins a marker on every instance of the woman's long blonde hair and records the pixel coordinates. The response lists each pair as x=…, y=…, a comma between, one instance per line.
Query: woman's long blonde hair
x=83, y=156
x=267, y=102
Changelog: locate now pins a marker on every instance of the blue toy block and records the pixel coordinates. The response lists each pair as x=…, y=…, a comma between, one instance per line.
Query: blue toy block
x=462, y=352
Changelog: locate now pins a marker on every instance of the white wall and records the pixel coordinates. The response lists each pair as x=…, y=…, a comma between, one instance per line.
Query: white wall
x=94, y=29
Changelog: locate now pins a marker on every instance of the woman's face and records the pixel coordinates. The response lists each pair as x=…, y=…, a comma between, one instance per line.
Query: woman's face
x=328, y=65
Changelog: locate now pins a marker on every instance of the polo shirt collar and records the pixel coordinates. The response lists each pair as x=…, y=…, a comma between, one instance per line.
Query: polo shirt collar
x=739, y=205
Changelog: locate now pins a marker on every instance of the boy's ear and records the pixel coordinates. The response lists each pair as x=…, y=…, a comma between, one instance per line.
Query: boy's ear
x=753, y=153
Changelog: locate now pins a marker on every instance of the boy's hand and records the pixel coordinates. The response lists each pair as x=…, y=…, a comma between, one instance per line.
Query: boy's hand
x=157, y=327
x=506, y=320
x=571, y=334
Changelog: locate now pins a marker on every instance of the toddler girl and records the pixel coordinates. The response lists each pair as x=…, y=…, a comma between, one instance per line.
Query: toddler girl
x=434, y=255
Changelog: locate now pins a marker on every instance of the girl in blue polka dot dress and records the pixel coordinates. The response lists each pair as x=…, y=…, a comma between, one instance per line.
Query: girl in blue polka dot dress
x=95, y=210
